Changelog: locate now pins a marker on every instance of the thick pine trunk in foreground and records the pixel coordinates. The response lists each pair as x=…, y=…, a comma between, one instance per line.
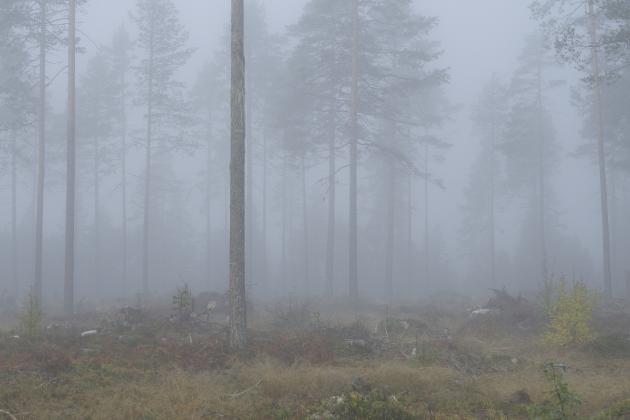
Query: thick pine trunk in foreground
x=71, y=170
x=41, y=156
x=238, y=314
x=354, y=134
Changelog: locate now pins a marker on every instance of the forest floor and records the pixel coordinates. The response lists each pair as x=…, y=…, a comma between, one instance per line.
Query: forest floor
x=312, y=360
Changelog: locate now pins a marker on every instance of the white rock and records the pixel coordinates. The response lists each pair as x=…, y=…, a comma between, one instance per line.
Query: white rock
x=483, y=311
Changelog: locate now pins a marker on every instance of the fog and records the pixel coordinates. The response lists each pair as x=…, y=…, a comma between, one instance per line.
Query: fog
x=424, y=224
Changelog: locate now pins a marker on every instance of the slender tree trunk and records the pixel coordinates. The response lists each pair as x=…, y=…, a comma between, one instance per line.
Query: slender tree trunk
x=125, y=265
x=285, y=285
x=354, y=134
x=427, y=268
x=41, y=157
x=249, y=190
x=264, y=269
x=493, y=249
x=305, y=249
x=15, y=284
x=389, y=234
x=614, y=225
x=601, y=153
x=238, y=313
x=123, y=146
x=97, y=216
x=542, y=182
x=148, y=165
x=332, y=193
x=209, y=208
x=410, y=283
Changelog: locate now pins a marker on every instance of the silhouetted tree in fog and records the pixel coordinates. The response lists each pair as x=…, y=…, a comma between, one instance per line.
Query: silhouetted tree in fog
x=17, y=108
x=98, y=127
x=44, y=28
x=162, y=39
x=120, y=56
x=577, y=40
x=480, y=226
x=358, y=69
x=319, y=72
x=528, y=143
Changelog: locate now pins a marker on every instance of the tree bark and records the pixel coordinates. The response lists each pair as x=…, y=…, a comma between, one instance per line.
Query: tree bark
x=305, y=250
x=148, y=165
x=238, y=313
x=123, y=146
x=427, y=271
x=493, y=145
x=41, y=158
x=285, y=285
x=249, y=189
x=264, y=269
x=354, y=134
x=601, y=153
x=542, y=182
x=409, y=256
x=209, y=207
x=332, y=190
x=389, y=234
x=97, y=216
x=71, y=169
x=15, y=283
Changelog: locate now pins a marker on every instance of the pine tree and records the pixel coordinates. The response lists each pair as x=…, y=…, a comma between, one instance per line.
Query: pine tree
x=71, y=162
x=480, y=224
x=17, y=106
x=238, y=303
x=319, y=71
x=358, y=68
x=528, y=143
x=99, y=113
x=162, y=39
x=577, y=41
x=120, y=56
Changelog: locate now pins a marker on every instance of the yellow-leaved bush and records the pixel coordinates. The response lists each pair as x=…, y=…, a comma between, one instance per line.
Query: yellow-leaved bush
x=571, y=315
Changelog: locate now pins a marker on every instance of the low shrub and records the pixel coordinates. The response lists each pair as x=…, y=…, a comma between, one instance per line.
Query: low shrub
x=571, y=316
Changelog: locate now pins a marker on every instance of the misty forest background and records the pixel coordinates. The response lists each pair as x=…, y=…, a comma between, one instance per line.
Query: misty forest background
x=456, y=192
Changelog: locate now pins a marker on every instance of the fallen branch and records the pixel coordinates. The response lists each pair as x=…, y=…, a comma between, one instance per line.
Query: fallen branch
x=11, y=416
x=251, y=388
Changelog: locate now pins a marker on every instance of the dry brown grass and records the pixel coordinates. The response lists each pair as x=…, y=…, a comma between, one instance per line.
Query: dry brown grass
x=286, y=374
